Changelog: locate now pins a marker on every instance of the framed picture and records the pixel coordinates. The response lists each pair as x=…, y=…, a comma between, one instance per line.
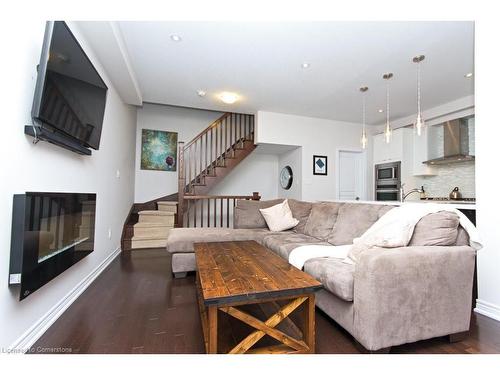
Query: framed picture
x=320, y=165
x=159, y=150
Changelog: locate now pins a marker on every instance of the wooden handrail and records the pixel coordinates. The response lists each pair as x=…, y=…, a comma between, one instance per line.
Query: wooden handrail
x=254, y=197
x=208, y=128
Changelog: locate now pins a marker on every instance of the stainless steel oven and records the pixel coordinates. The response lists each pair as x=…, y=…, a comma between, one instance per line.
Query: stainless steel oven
x=388, y=171
x=387, y=195
x=387, y=181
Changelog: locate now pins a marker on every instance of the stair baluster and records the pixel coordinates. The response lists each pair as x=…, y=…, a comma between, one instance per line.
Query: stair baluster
x=207, y=158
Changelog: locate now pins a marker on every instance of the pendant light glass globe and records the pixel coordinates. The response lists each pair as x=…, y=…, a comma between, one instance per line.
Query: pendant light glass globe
x=419, y=125
x=387, y=133
x=388, y=128
x=364, y=138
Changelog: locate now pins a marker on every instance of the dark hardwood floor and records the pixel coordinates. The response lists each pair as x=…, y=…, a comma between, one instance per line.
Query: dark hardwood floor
x=135, y=306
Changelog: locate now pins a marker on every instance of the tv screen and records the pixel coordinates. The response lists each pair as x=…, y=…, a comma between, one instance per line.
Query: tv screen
x=70, y=96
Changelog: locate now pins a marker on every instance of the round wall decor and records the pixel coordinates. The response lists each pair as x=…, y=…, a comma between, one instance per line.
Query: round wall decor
x=286, y=177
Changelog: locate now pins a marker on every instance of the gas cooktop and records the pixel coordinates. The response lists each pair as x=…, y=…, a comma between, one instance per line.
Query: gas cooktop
x=446, y=199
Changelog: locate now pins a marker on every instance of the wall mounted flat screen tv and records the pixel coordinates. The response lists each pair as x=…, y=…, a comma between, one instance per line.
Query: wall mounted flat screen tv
x=50, y=233
x=70, y=95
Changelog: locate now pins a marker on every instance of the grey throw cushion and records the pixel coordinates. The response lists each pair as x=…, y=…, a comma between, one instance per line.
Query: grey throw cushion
x=321, y=220
x=353, y=220
x=300, y=211
x=247, y=214
x=438, y=229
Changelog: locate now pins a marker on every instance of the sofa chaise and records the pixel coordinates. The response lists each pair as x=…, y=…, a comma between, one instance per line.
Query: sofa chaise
x=390, y=296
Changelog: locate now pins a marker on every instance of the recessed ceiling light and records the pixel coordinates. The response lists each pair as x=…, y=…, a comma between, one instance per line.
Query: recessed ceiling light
x=201, y=93
x=305, y=65
x=468, y=75
x=380, y=110
x=228, y=97
x=175, y=38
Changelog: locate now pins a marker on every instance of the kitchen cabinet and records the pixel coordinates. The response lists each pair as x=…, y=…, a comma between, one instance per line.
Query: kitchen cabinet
x=392, y=151
x=406, y=147
x=421, y=154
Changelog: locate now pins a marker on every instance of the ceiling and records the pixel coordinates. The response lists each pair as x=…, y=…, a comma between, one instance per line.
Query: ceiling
x=261, y=61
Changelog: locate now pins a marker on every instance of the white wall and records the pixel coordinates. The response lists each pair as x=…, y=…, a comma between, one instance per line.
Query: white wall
x=256, y=173
x=187, y=122
x=45, y=167
x=293, y=159
x=487, y=177
x=316, y=137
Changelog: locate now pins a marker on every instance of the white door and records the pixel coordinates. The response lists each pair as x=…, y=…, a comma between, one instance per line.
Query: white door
x=352, y=179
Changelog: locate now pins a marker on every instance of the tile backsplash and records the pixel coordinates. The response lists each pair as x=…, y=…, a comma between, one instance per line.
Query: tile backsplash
x=448, y=176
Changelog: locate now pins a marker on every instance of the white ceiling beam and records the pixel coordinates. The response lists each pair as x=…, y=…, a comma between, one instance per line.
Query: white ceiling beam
x=106, y=40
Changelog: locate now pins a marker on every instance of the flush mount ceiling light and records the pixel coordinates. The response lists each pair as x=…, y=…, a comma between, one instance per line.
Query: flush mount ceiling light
x=380, y=110
x=364, y=138
x=201, y=93
x=175, y=38
x=468, y=75
x=305, y=65
x=388, y=129
x=419, y=125
x=228, y=97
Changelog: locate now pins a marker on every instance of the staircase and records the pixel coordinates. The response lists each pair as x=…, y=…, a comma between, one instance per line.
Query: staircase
x=154, y=225
x=202, y=163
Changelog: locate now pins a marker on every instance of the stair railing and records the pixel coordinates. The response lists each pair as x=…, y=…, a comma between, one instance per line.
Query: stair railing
x=212, y=210
x=208, y=150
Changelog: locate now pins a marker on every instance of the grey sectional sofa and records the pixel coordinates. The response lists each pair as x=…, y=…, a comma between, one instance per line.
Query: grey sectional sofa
x=391, y=296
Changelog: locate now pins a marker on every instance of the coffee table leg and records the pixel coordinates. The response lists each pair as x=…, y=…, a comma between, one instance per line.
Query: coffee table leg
x=212, y=329
x=309, y=319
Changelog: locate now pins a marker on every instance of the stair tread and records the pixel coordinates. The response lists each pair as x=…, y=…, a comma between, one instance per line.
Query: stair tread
x=156, y=213
x=167, y=203
x=151, y=225
x=147, y=238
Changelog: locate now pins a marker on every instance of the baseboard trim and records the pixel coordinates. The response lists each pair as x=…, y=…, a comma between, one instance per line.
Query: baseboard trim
x=488, y=309
x=28, y=338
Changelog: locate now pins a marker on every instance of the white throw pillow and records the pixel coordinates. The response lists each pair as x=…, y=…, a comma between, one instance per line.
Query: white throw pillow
x=279, y=217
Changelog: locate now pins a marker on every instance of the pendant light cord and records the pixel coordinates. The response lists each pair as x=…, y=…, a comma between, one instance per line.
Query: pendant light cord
x=418, y=89
x=364, y=113
x=387, y=105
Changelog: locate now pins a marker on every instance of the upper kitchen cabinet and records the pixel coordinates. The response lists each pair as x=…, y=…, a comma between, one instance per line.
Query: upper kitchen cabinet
x=421, y=145
x=397, y=149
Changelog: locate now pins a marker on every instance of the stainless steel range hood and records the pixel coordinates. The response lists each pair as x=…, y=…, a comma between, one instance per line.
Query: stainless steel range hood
x=456, y=147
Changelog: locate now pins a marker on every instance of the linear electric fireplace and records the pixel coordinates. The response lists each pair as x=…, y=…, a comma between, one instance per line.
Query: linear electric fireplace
x=50, y=233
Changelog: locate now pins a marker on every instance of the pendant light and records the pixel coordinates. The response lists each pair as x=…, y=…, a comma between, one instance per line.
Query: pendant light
x=364, y=138
x=419, y=125
x=388, y=129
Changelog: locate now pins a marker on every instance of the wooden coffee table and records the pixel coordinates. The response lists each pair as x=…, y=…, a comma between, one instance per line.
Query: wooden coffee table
x=232, y=274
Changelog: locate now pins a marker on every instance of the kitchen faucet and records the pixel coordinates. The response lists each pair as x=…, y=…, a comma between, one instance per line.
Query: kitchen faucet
x=402, y=195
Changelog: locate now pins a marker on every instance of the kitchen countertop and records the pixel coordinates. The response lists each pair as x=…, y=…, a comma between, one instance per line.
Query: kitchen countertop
x=459, y=205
